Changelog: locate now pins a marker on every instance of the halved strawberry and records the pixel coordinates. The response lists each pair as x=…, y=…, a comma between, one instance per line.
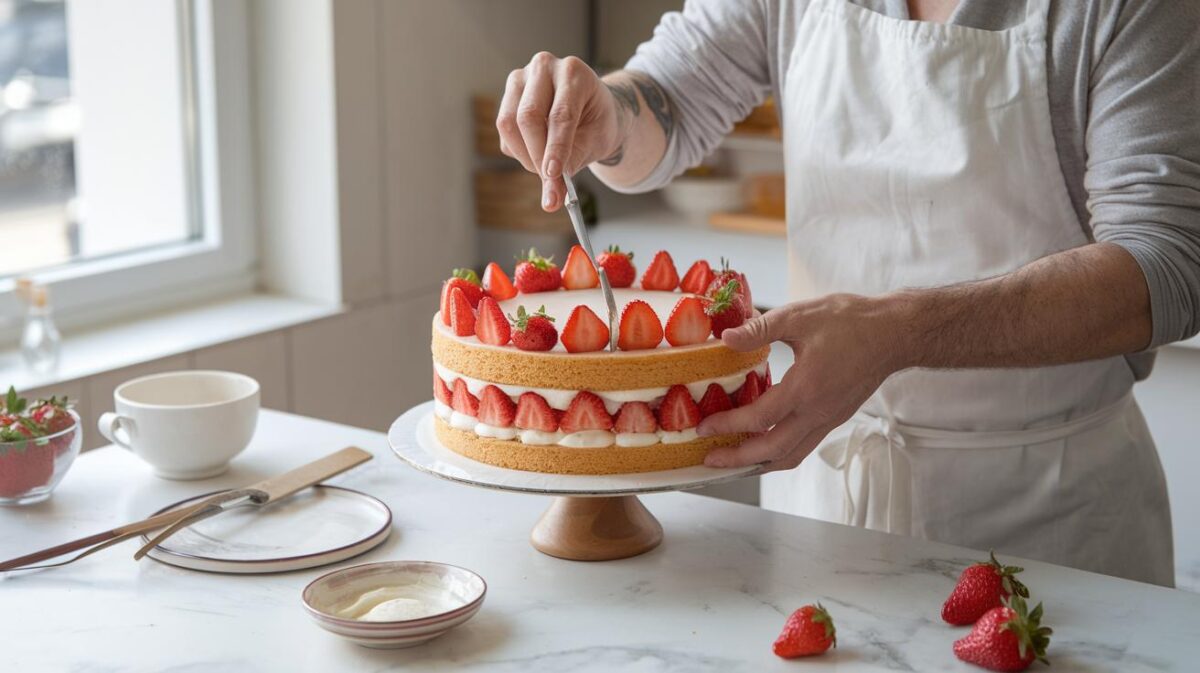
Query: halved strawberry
x=496, y=407
x=750, y=390
x=535, y=273
x=618, y=266
x=688, y=323
x=715, y=401
x=661, y=274
x=463, y=401
x=640, y=327
x=767, y=377
x=462, y=317
x=496, y=283
x=491, y=326
x=696, y=279
x=635, y=417
x=465, y=280
x=441, y=392
x=534, y=413
x=584, y=331
x=578, y=272
x=678, y=410
x=586, y=412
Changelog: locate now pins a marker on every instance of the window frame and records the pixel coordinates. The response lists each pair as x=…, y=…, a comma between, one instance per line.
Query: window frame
x=222, y=260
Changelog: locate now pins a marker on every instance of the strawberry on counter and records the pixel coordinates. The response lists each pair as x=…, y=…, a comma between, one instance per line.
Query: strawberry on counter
x=980, y=588
x=808, y=631
x=1007, y=638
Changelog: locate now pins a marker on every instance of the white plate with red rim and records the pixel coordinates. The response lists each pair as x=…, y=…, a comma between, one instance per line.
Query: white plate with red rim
x=315, y=527
x=412, y=439
x=458, y=594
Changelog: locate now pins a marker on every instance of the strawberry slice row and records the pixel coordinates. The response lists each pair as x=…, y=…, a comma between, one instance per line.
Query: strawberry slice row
x=713, y=302
x=536, y=273
x=676, y=412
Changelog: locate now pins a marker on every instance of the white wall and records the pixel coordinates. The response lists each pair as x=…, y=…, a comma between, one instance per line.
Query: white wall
x=1170, y=399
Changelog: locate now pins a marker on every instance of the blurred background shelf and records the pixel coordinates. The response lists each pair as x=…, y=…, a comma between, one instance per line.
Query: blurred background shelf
x=761, y=258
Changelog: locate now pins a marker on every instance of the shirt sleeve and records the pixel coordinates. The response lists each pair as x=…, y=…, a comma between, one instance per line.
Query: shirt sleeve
x=711, y=60
x=1143, y=148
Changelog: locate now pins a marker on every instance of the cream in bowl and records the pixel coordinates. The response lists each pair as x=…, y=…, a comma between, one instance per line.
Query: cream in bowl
x=395, y=603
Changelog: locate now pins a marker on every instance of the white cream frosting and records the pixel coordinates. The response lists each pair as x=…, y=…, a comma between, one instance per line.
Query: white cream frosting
x=588, y=439
x=495, y=431
x=633, y=439
x=584, y=439
x=460, y=421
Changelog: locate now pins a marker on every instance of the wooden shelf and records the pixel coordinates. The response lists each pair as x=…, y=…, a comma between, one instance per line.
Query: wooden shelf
x=752, y=142
x=749, y=223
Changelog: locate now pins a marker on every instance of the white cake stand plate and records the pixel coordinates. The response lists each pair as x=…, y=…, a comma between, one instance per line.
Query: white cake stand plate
x=592, y=518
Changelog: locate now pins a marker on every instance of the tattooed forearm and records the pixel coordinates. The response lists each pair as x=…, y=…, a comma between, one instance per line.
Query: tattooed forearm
x=645, y=122
x=615, y=158
x=626, y=96
x=656, y=99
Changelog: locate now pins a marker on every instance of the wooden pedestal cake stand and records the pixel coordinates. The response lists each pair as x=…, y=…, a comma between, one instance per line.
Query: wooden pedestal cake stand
x=591, y=518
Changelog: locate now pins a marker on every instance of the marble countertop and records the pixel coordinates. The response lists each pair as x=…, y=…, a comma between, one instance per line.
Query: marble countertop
x=711, y=598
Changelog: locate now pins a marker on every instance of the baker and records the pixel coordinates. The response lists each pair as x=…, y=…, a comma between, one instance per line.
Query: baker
x=993, y=218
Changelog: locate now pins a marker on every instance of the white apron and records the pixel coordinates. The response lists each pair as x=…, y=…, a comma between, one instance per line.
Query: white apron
x=918, y=155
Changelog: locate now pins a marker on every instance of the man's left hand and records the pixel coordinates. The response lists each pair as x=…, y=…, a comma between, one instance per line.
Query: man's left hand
x=845, y=346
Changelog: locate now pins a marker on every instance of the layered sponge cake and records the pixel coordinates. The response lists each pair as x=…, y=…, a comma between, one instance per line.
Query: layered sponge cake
x=523, y=377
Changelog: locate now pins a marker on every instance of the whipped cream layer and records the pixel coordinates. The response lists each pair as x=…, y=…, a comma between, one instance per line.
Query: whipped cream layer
x=613, y=399
x=561, y=399
x=584, y=439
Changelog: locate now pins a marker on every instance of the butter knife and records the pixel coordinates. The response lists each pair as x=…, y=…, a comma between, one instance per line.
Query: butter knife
x=266, y=492
x=576, y=213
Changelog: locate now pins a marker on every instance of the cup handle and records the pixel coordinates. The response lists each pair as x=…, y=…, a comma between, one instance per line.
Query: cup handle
x=116, y=429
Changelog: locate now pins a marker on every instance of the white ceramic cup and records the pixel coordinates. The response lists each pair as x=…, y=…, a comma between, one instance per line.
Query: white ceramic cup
x=187, y=424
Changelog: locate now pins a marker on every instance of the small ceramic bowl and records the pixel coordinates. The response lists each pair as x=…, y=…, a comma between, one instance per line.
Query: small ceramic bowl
x=456, y=592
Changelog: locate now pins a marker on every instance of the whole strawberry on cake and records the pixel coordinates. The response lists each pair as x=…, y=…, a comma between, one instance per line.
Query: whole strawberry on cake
x=524, y=378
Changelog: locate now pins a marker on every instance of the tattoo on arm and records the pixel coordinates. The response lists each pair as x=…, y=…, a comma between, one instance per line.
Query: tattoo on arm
x=656, y=99
x=626, y=94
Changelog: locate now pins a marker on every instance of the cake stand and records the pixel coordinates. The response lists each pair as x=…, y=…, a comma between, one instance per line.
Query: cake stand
x=592, y=517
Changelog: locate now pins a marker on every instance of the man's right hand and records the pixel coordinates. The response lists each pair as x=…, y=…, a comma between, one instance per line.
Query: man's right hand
x=556, y=115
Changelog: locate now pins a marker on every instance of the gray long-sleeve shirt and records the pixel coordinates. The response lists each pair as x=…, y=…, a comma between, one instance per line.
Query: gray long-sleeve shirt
x=1124, y=80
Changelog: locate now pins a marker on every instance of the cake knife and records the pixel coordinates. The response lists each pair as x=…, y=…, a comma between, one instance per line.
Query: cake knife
x=576, y=214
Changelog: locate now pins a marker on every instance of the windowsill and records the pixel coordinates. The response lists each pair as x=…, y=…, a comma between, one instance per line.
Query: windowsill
x=147, y=338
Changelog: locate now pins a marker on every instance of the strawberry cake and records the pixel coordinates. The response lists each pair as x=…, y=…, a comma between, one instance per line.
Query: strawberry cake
x=524, y=378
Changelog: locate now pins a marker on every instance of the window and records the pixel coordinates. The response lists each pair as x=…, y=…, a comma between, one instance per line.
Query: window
x=124, y=153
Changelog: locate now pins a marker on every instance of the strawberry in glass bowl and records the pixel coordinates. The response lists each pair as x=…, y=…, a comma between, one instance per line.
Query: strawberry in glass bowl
x=38, y=442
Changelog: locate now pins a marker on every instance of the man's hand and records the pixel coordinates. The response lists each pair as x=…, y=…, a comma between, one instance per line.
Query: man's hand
x=844, y=350
x=556, y=115
x=1080, y=304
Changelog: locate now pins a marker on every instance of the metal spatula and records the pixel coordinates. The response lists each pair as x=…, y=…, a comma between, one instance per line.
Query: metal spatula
x=581, y=233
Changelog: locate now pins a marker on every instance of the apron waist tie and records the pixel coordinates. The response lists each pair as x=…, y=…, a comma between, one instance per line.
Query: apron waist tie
x=880, y=445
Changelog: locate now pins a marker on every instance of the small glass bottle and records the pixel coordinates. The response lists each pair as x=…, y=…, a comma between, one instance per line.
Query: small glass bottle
x=40, y=341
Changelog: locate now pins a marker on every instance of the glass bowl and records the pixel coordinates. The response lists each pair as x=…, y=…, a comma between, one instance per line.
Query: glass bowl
x=31, y=468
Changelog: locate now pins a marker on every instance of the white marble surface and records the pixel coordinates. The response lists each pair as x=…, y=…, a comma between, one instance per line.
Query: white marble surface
x=711, y=598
